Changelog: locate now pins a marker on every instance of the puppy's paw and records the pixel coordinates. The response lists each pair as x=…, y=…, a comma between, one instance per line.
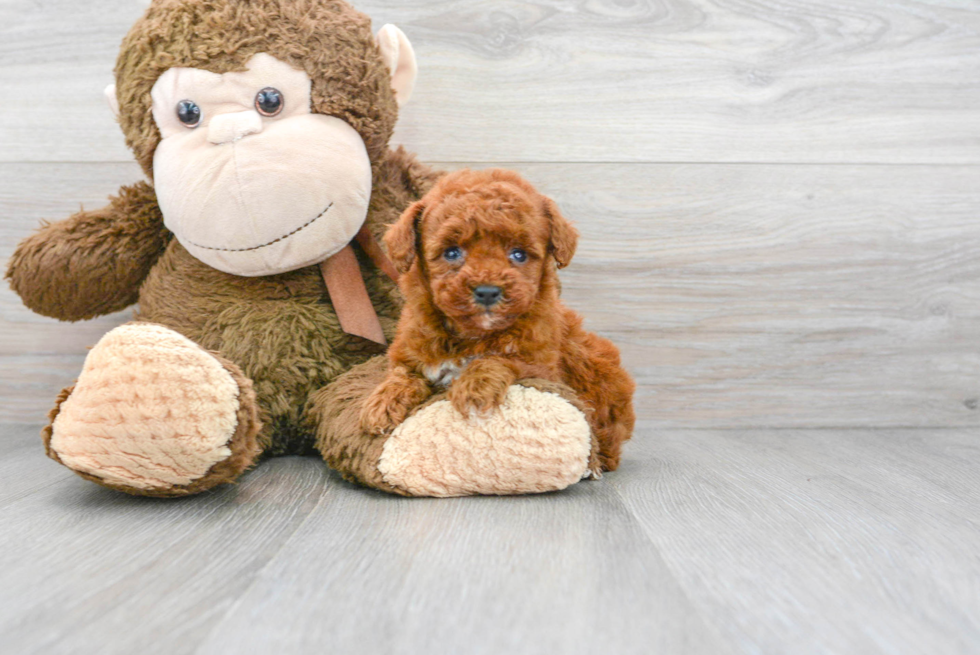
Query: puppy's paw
x=380, y=415
x=477, y=394
x=391, y=402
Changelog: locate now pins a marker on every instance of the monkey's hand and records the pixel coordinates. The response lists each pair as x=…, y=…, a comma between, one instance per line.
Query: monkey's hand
x=94, y=262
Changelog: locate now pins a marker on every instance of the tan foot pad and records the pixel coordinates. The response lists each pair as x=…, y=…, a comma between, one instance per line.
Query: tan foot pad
x=151, y=410
x=535, y=442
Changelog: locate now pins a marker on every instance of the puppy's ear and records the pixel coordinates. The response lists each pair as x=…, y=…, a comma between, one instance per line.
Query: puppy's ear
x=564, y=236
x=402, y=237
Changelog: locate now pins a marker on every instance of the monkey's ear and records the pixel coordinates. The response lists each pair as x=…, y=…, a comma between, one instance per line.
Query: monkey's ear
x=564, y=236
x=402, y=237
x=110, y=96
x=399, y=57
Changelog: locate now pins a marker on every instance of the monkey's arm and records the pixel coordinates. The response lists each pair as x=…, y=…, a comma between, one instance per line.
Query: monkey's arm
x=93, y=262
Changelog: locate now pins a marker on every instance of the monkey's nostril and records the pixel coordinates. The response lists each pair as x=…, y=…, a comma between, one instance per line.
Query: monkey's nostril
x=487, y=295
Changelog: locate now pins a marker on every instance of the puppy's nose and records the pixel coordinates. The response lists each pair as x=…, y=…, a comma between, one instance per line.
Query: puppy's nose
x=487, y=295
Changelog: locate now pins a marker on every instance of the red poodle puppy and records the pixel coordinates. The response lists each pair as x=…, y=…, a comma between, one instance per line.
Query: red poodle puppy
x=478, y=256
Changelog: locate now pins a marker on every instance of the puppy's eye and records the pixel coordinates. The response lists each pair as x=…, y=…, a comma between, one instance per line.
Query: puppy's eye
x=453, y=254
x=188, y=113
x=269, y=101
x=518, y=256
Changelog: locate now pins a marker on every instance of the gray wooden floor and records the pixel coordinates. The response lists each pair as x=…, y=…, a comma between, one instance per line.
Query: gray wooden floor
x=780, y=205
x=706, y=541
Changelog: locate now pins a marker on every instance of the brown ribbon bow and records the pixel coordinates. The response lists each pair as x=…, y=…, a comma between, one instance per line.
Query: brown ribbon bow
x=349, y=296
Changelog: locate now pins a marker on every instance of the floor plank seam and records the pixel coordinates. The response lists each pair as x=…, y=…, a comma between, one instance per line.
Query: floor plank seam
x=706, y=623
x=28, y=493
x=327, y=490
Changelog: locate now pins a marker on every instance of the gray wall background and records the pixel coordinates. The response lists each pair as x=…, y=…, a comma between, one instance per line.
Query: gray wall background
x=780, y=200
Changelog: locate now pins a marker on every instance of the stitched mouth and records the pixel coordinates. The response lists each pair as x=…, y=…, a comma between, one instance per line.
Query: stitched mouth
x=277, y=240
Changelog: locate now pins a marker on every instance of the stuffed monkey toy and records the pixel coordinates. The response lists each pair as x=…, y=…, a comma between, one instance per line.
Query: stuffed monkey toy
x=264, y=297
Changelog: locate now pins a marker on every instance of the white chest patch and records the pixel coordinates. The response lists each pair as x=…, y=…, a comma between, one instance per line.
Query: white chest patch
x=444, y=373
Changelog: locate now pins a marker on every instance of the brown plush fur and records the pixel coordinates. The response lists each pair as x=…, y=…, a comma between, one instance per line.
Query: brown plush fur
x=528, y=334
x=335, y=410
x=94, y=262
x=279, y=330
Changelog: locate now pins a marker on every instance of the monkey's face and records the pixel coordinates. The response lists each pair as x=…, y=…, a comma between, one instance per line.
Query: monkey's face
x=249, y=180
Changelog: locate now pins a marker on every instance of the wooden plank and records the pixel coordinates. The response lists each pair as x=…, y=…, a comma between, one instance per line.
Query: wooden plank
x=23, y=466
x=58, y=57
x=782, y=295
x=747, y=541
x=689, y=80
x=741, y=295
x=29, y=385
x=89, y=570
x=559, y=573
x=824, y=541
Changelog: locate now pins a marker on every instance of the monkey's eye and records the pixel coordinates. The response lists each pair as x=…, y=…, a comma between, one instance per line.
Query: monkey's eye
x=269, y=101
x=188, y=113
x=518, y=256
x=453, y=254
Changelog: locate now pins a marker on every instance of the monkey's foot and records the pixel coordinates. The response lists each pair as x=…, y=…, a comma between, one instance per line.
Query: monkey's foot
x=154, y=414
x=536, y=441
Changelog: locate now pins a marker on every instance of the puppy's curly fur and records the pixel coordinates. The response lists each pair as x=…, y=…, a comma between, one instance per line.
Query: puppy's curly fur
x=478, y=256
